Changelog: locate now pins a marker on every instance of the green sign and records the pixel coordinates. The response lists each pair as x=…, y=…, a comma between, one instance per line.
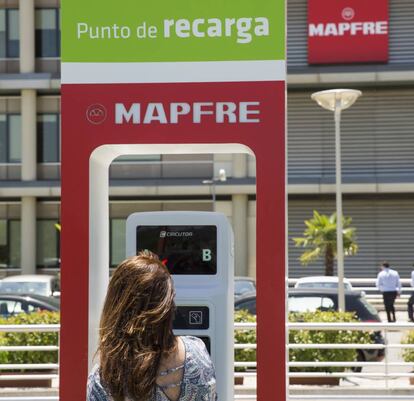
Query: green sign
x=172, y=30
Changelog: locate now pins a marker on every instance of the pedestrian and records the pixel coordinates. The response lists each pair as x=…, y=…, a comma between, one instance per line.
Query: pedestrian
x=388, y=282
x=140, y=358
x=411, y=300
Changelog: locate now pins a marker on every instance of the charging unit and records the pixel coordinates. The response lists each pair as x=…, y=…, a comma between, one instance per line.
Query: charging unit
x=198, y=250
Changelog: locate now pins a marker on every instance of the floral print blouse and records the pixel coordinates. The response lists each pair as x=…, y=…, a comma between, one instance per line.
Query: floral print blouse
x=198, y=383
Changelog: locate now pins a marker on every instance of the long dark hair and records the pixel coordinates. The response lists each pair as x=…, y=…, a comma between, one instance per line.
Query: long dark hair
x=136, y=327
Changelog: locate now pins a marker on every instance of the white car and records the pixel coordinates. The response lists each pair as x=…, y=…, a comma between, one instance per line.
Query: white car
x=322, y=282
x=31, y=284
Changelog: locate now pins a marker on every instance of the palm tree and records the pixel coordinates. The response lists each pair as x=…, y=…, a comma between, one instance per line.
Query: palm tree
x=320, y=237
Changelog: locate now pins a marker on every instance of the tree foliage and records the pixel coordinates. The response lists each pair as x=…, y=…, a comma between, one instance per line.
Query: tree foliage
x=319, y=238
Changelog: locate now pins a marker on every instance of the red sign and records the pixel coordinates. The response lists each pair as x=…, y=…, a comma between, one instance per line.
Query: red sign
x=105, y=115
x=347, y=31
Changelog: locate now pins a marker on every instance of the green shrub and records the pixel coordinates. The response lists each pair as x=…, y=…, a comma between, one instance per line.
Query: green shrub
x=245, y=336
x=248, y=336
x=32, y=338
x=324, y=337
x=408, y=354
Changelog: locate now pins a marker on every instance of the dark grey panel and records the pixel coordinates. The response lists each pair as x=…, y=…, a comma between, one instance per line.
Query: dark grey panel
x=377, y=137
x=385, y=231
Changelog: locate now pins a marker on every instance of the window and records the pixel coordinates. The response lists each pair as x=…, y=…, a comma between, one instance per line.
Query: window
x=137, y=158
x=48, y=138
x=9, y=33
x=48, y=244
x=24, y=287
x=310, y=304
x=118, y=227
x=243, y=286
x=47, y=32
x=33, y=308
x=10, y=138
x=323, y=284
x=8, y=308
x=9, y=243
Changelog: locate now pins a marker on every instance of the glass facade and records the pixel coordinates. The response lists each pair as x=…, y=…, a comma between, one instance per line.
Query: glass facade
x=48, y=138
x=9, y=243
x=10, y=138
x=47, y=32
x=137, y=158
x=9, y=33
x=48, y=244
x=117, y=227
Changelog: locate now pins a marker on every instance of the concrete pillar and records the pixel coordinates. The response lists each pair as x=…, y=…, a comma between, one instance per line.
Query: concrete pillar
x=239, y=165
x=27, y=35
x=28, y=230
x=239, y=217
x=29, y=148
x=28, y=172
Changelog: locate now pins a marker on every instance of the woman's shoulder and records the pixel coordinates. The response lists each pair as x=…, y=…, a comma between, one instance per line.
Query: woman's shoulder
x=199, y=375
x=195, y=346
x=95, y=389
x=197, y=357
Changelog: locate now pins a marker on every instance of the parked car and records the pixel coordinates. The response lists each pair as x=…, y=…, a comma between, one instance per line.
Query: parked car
x=40, y=284
x=311, y=300
x=13, y=304
x=322, y=282
x=243, y=285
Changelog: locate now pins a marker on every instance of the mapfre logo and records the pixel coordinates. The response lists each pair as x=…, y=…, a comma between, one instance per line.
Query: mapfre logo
x=348, y=13
x=96, y=113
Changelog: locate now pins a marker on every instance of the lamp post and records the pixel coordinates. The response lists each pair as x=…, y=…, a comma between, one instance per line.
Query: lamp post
x=222, y=177
x=337, y=100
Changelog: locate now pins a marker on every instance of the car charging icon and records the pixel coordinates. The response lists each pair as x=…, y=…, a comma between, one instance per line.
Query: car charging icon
x=96, y=113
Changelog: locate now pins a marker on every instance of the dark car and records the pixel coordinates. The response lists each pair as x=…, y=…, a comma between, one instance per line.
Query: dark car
x=13, y=304
x=310, y=300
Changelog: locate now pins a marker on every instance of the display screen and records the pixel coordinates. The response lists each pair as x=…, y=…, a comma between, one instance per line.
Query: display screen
x=183, y=249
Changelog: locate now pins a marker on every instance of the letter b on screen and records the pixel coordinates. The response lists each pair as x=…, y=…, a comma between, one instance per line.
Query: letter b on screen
x=206, y=255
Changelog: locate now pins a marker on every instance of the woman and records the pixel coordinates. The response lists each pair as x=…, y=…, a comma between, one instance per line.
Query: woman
x=140, y=358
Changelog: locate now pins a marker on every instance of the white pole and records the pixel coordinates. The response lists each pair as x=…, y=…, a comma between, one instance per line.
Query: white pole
x=213, y=188
x=339, y=238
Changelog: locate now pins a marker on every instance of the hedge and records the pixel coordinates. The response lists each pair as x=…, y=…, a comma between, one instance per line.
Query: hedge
x=308, y=337
x=408, y=353
x=325, y=337
x=30, y=338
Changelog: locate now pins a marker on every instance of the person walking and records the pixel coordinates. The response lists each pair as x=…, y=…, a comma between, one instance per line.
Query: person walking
x=388, y=282
x=140, y=358
x=411, y=300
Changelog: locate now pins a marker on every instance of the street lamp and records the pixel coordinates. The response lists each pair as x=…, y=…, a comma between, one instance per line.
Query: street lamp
x=222, y=177
x=337, y=100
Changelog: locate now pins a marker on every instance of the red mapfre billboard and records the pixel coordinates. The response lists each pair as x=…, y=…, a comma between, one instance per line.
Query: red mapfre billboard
x=347, y=31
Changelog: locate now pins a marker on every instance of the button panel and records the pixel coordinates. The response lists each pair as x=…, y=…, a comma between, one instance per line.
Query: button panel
x=192, y=318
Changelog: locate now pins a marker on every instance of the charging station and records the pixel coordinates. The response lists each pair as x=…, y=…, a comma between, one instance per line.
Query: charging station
x=197, y=249
x=135, y=80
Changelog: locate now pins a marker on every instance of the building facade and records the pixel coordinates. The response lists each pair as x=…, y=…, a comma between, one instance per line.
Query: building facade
x=377, y=152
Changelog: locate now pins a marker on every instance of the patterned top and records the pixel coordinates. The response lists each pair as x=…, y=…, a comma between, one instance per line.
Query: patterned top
x=198, y=384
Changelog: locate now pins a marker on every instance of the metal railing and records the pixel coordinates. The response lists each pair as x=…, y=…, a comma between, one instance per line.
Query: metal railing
x=385, y=365
x=25, y=328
